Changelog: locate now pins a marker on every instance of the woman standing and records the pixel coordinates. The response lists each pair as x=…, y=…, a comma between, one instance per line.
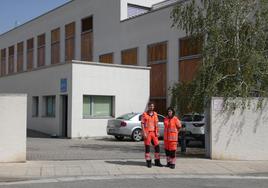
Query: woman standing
x=172, y=126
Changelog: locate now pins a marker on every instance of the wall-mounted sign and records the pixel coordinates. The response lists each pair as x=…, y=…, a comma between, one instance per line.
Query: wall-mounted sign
x=63, y=85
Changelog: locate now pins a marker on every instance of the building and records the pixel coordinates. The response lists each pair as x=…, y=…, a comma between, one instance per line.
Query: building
x=121, y=34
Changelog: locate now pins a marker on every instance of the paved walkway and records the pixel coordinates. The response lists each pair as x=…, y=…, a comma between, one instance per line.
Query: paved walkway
x=56, y=169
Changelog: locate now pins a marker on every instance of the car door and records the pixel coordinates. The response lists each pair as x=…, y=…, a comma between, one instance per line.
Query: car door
x=161, y=125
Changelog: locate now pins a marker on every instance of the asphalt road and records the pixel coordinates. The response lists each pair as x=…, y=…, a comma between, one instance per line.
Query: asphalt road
x=54, y=149
x=151, y=183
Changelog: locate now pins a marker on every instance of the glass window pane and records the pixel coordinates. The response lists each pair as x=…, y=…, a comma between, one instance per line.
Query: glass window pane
x=102, y=106
x=50, y=111
x=86, y=106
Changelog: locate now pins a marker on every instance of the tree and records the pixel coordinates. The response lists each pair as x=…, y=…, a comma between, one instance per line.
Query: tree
x=234, y=35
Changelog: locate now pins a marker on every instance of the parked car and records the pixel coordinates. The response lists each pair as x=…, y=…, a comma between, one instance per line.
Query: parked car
x=195, y=127
x=129, y=125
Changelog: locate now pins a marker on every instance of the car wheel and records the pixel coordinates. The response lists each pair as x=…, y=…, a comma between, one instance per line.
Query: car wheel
x=119, y=138
x=136, y=135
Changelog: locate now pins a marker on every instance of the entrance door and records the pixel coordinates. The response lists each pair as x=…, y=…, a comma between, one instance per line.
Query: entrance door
x=64, y=115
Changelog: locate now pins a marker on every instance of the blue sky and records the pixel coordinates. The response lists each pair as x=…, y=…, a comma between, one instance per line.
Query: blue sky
x=21, y=11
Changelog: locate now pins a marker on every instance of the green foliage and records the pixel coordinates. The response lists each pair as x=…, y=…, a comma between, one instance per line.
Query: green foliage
x=234, y=52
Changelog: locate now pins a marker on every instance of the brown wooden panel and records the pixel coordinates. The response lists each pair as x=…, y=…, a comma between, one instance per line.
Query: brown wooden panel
x=20, y=47
x=160, y=105
x=190, y=46
x=11, y=59
x=157, y=52
x=69, y=49
x=106, y=58
x=11, y=64
x=70, y=30
x=41, y=56
x=86, y=46
x=55, y=53
x=20, y=57
x=29, y=60
x=3, y=62
x=30, y=44
x=129, y=57
x=55, y=35
x=158, y=80
x=41, y=40
x=188, y=69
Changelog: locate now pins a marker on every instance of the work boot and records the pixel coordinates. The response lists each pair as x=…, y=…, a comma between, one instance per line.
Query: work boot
x=149, y=163
x=172, y=166
x=157, y=163
x=168, y=164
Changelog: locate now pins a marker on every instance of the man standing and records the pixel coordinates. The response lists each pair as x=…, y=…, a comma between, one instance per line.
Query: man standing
x=149, y=124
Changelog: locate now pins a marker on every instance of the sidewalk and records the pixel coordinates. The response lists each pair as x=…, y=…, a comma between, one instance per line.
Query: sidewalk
x=55, y=169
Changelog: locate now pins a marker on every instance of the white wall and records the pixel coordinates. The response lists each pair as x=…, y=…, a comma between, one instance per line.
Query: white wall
x=110, y=34
x=42, y=82
x=13, y=127
x=129, y=85
x=239, y=136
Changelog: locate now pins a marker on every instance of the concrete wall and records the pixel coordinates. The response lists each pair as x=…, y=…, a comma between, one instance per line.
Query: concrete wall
x=129, y=86
x=239, y=135
x=42, y=82
x=13, y=127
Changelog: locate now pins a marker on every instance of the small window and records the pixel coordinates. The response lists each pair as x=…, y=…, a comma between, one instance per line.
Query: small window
x=50, y=106
x=87, y=24
x=35, y=107
x=127, y=116
x=97, y=106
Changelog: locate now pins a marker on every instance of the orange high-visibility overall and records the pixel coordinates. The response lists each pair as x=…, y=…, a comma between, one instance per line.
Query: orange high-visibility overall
x=171, y=131
x=150, y=128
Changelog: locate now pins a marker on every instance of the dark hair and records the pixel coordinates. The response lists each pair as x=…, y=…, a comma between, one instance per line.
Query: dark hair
x=172, y=109
x=150, y=103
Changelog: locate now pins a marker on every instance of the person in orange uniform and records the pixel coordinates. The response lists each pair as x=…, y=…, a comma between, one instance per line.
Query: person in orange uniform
x=172, y=126
x=149, y=124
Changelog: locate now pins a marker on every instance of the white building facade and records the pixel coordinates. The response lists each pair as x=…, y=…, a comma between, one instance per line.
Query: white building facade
x=38, y=55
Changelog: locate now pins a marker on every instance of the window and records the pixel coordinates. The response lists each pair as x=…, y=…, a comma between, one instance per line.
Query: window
x=3, y=62
x=41, y=42
x=11, y=60
x=55, y=46
x=20, y=57
x=157, y=60
x=161, y=118
x=69, y=41
x=35, y=107
x=134, y=10
x=97, y=106
x=87, y=39
x=30, y=53
x=106, y=58
x=129, y=56
x=50, y=106
x=190, y=46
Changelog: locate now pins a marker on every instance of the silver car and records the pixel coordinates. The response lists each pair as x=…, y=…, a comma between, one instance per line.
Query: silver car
x=195, y=127
x=129, y=125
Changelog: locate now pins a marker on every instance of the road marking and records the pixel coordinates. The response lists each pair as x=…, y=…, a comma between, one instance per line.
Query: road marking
x=120, y=177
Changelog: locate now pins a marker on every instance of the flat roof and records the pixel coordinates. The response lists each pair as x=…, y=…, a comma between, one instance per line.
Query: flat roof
x=133, y=17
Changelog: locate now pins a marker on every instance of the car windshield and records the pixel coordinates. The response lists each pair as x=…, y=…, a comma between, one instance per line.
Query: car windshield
x=192, y=118
x=127, y=116
x=187, y=118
